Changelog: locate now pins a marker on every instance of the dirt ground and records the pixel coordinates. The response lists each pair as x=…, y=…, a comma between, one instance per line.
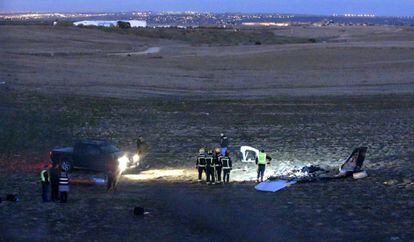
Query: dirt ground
x=304, y=103
x=69, y=60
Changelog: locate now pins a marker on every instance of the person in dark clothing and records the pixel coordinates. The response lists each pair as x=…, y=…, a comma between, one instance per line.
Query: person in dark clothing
x=110, y=180
x=262, y=160
x=112, y=172
x=201, y=163
x=210, y=168
x=142, y=151
x=218, y=165
x=227, y=166
x=142, y=147
x=54, y=181
x=63, y=186
x=44, y=179
x=224, y=143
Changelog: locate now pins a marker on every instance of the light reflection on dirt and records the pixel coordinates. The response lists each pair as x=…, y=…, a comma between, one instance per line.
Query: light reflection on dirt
x=171, y=174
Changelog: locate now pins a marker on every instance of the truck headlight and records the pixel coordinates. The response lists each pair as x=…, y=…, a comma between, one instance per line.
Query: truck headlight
x=135, y=158
x=123, y=163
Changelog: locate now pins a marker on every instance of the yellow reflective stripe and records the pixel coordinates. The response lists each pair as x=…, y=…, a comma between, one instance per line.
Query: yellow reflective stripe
x=42, y=175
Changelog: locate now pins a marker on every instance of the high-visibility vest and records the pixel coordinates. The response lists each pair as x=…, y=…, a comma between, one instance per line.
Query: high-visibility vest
x=262, y=158
x=63, y=179
x=218, y=162
x=209, y=161
x=226, y=162
x=201, y=161
x=42, y=176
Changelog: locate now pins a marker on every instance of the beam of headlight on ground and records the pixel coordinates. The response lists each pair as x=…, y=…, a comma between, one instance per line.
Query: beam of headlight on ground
x=159, y=173
x=241, y=171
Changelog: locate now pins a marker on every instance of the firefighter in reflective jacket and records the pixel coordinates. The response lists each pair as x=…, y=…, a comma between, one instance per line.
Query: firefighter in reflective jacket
x=262, y=160
x=44, y=180
x=201, y=163
x=210, y=168
x=227, y=166
x=218, y=165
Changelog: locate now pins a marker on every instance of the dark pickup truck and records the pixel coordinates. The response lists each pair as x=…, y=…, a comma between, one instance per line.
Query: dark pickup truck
x=91, y=155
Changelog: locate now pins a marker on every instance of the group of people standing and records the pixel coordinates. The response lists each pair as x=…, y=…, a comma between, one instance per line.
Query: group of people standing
x=214, y=163
x=57, y=180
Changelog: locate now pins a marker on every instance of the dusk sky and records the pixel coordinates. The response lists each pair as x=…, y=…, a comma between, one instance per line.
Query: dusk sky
x=326, y=7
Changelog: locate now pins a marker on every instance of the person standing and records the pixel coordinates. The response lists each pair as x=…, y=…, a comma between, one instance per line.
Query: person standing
x=142, y=147
x=227, y=166
x=63, y=186
x=54, y=181
x=210, y=168
x=217, y=164
x=224, y=143
x=111, y=174
x=44, y=180
x=201, y=163
x=261, y=161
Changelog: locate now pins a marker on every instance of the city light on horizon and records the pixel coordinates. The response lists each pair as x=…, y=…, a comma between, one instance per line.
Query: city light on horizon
x=367, y=8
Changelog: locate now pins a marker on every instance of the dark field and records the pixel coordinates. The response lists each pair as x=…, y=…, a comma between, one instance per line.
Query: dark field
x=319, y=131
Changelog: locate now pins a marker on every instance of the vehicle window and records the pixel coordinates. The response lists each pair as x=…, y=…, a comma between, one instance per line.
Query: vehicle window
x=91, y=150
x=109, y=149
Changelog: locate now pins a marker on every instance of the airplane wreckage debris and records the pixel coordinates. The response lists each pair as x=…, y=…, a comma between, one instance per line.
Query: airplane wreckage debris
x=351, y=167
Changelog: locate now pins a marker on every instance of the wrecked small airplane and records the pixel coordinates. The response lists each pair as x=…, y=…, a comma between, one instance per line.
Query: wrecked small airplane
x=354, y=162
x=351, y=167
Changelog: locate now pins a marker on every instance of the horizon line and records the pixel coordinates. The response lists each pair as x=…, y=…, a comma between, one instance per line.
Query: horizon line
x=210, y=12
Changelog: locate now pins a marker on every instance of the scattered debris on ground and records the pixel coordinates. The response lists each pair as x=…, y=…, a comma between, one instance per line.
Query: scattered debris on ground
x=353, y=166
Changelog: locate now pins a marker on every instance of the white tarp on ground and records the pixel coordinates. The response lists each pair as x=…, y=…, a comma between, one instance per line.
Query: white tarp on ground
x=273, y=186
